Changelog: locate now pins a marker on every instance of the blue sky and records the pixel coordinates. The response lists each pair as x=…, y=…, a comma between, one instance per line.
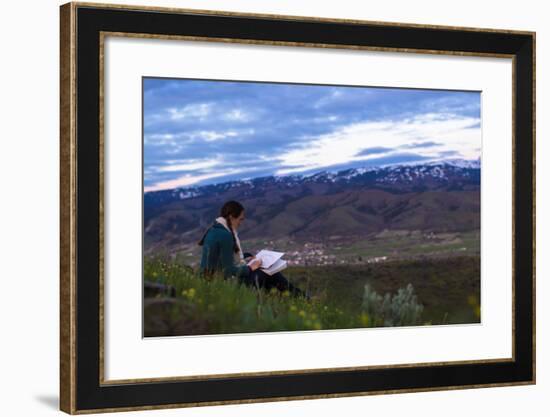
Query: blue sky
x=200, y=132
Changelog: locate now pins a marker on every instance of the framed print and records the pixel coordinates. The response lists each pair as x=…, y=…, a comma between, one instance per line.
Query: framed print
x=265, y=208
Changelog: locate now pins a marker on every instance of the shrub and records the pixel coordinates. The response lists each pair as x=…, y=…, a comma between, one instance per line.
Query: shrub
x=402, y=309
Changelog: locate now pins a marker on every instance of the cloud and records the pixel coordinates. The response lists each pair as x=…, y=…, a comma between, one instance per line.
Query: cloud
x=191, y=165
x=200, y=111
x=238, y=115
x=398, y=158
x=187, y=180
x=210, y=136
x=428, y=144
x=374, y=150
x=345, y=145
x=448, y=153
x=270, y=128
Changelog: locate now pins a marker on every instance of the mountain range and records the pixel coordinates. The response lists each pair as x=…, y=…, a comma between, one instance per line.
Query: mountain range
x=437, y=196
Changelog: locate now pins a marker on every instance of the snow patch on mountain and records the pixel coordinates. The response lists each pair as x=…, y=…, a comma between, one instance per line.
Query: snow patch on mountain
x=438, y=170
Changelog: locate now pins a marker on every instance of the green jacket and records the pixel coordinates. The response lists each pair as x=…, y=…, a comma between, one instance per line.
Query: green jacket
x=218, y=253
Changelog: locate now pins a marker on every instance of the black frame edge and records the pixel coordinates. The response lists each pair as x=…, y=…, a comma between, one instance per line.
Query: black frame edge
x=91, y=396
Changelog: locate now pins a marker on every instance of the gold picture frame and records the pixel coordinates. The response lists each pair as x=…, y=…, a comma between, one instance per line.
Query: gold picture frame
x=83, y=386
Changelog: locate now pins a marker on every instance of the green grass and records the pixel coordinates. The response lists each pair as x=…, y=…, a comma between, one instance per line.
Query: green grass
x=223, y=306
x=410, y=245
x=448, y=289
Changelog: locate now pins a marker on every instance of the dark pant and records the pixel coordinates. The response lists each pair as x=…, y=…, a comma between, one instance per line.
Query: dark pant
x=259, y=278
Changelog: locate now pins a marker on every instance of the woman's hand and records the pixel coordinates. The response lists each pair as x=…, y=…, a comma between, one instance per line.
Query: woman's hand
x=255, y=264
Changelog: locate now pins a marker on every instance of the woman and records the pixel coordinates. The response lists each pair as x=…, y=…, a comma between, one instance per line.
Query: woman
x=221, y=251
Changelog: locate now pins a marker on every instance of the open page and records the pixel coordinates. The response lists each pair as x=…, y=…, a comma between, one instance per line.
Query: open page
x=268, y=257
x=278, y=266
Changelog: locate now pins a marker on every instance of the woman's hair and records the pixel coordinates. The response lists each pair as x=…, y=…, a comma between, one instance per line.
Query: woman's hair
x=233, y=209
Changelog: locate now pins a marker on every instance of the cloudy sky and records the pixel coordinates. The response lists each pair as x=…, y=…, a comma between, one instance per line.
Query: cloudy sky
x=202, y=132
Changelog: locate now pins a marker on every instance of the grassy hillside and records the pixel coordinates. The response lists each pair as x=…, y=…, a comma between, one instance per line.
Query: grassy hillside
x=448, y=290
x=218, y=306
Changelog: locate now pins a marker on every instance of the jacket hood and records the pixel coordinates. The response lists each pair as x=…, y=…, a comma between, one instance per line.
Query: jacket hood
x=220, y=226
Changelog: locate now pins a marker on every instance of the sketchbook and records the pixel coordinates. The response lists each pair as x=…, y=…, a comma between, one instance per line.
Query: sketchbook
x=271, y=261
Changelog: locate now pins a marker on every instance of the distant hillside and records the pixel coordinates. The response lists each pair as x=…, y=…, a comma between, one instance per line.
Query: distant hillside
x=441, y=196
